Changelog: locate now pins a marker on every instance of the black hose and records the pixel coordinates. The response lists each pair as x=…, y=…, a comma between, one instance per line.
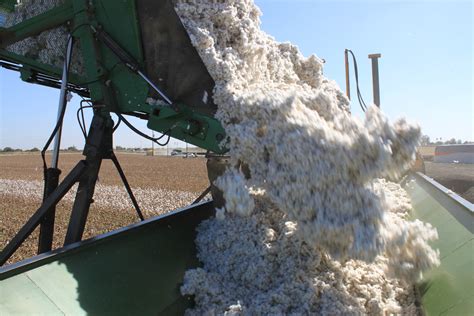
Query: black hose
x=356, y=72
x=153, y=139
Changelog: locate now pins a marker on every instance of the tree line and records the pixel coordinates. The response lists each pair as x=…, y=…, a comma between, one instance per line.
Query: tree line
x=426, y=141
x=32, y=150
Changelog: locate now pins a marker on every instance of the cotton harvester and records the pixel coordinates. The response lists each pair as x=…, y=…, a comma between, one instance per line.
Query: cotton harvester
x=130, y=52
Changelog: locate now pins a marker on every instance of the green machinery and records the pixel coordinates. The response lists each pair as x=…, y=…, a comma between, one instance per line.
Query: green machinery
x=133, y=50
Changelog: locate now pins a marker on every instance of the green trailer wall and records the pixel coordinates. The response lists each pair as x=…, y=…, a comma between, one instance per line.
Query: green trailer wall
x=134, y=271
x=448, y=289
x=139, y=269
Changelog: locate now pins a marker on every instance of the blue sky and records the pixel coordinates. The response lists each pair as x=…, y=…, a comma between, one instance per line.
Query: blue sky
x=425, y=70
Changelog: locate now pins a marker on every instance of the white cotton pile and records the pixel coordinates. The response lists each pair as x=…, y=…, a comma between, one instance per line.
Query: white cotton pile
x=290, y=125
x=260, y=264
x=317, y=167
x=48, y=47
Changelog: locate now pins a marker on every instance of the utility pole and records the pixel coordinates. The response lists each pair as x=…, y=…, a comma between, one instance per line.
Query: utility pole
x=375, y=77
x=348, y=84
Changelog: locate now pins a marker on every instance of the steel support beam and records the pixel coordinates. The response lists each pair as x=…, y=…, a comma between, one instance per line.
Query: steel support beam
x=98, y=147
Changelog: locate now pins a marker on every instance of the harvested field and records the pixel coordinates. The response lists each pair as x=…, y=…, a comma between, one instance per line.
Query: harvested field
x=456, y=177
x=171, y=173
x=160, y=184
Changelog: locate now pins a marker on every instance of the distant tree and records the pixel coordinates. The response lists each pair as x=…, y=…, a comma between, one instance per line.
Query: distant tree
x=72, y=148
x=459, y=141
x=120, y=148
x=425, y=140
x=8, y=150
x=34, y=149
x=452, y=141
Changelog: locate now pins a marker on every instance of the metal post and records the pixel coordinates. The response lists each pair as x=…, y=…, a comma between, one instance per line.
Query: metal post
x=45, y=241
x=375, y=77
x=152, y=144
x=348, y=83
x=62, y=104
x=98, y=147
x=127, y=186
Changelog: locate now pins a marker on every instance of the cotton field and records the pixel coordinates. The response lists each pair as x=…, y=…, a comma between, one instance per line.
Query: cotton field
x=159, y=184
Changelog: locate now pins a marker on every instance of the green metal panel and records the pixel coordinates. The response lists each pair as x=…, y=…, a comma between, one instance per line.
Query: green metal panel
x=20, y=296
x=119, y=20
x=209, y=134
x=134, y=271
x=448, y=289
x=109, y=82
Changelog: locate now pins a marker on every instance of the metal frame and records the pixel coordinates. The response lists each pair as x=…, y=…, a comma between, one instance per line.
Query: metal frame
x=99, y=143
x=104, y=28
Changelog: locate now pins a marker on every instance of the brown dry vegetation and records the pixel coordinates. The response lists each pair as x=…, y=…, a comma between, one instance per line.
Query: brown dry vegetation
x=145, y=172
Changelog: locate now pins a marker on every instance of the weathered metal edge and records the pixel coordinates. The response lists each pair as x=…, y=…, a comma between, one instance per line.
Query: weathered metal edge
x=468, y=205
x=21, y=266
x=458, y=207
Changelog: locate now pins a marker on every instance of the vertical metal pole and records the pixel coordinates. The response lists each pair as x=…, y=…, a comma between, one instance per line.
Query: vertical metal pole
x=62, y=104
x=45, y=240
x=348, y=83
x=375, y=77
x=152, y=144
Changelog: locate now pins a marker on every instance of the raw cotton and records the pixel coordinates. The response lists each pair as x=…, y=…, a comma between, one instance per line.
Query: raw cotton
x=257, y=265
x=290, y=125
x=48, y=47
x=316, y=167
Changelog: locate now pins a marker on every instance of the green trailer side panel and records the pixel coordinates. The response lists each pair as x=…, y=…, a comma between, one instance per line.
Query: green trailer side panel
x=20, y=296
x=448, y=289
x=135, y=271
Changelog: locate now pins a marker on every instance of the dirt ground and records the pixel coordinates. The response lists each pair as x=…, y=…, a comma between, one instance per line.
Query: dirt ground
x=457, y=177
x=169, y=173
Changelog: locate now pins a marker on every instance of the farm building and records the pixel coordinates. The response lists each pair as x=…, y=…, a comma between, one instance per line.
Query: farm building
x=454, y=153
